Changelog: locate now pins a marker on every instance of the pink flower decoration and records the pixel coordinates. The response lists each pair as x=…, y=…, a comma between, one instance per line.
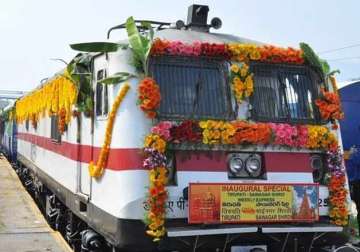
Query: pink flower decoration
x=292, y=136
x=285, y=134
x=180, y=48
x=197, y=48
x=163, y=129
x=302, y=135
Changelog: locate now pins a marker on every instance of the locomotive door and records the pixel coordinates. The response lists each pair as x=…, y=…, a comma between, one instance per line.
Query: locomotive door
x=101, y=110
x=92, y=130
x=83, y=139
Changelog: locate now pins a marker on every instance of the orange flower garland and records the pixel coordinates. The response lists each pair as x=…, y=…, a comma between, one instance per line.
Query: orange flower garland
x=273, y=54
x=155, y=161
x=330, y=107
x=62, y=120
x=98, y=169
x=247, y=133
x=338, y=211
x=149, y=96
x=159, y=47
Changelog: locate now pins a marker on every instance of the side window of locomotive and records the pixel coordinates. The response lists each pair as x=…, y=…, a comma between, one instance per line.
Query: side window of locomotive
x=192, y=88
x=27, y=125
x=55, y=133
x=101, y=99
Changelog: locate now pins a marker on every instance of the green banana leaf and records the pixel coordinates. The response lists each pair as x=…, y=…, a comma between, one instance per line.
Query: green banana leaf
x=117, y=78
x=313, y=59
x=96, y=47
x=139, y=44
x=325, y=66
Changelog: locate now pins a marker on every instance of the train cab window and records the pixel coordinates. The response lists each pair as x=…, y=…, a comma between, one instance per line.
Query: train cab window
x=27, y=125
x=55, y=134
x=192, y=88
x=284, y=94
x=102, y=104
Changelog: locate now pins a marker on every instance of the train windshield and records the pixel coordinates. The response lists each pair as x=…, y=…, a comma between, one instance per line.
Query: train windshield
x=284, y=93
x=192, y=88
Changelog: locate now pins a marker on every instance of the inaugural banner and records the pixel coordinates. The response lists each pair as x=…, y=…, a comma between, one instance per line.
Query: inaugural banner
x=241, y=203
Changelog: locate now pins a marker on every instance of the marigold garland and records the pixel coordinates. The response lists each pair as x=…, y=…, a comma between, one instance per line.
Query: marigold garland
x=244, y=52
x=330, y=107
x=98, y=169
x=149, y=96
x=62, y=121
x=155, y=161
x=57, y=95
x=217, y=132
x=338, y=211
x=251, y=133
x=273, y=54
x=320, y=137
x=242, y=82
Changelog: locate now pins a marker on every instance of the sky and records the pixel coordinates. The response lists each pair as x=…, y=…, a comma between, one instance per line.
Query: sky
x=37, y=31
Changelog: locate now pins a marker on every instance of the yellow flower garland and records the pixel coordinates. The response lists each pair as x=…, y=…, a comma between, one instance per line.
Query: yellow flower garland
x=57, y=95
x=98, y=169
x=216, y=132
x=321, y=137
x=244, y=52
x=242, y=82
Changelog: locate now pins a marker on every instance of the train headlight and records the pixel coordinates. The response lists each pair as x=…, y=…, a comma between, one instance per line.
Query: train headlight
x=236, y=164
x=317, y=165
x=253, y=165
x=245, y=165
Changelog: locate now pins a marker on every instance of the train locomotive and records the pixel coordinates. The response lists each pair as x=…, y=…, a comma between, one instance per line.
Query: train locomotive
x=172, y=123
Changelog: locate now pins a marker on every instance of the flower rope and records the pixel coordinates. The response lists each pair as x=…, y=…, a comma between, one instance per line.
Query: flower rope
x=98, y=169
x=155, y=161
x=329, y=105
x=338, y=211
x=56, y=97
x=149, y=96
x=242, y=82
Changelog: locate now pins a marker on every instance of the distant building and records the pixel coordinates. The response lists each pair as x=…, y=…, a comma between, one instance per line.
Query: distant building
x=6, y=96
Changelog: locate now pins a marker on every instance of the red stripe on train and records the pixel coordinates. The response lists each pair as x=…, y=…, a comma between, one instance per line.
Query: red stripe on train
x=131, y=159
x=119, y=159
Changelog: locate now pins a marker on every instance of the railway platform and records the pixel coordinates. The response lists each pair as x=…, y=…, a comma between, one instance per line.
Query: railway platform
x=22, y=226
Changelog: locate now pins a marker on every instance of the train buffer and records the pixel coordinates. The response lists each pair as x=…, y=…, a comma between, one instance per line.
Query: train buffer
x=22, y=226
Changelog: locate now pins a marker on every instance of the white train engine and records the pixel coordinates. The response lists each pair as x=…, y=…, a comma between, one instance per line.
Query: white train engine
x=219, y=141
